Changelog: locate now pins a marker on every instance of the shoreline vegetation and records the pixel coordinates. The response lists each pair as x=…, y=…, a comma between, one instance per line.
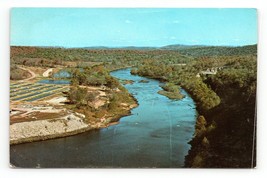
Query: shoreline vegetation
x=72, y=124
x=221, y=80
x=94, y=100
x=171, y=91
x=224, y=89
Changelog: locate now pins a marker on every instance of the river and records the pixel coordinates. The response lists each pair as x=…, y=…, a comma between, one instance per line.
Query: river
x=156, y=134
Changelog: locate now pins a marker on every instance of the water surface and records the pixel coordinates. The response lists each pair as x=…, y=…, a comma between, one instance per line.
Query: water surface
x=155, y=135
x=62, y=74
x=55, y=82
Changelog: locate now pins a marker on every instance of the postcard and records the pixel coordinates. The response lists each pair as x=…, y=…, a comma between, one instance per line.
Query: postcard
x=133, y=87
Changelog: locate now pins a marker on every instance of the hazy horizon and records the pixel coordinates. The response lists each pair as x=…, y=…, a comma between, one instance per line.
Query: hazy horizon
x=110, y=47
x=132, y=27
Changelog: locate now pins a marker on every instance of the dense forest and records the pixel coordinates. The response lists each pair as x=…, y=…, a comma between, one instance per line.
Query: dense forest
x=112, y=58
x=204, y=51
x=225, y=98
x=221, y=80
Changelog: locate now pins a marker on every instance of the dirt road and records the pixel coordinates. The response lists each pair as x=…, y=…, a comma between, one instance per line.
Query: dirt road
x=33, y=75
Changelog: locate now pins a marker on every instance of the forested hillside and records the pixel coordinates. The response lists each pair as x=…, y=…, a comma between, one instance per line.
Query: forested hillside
x=198, y=51
x=224, y=88
x=112, y=58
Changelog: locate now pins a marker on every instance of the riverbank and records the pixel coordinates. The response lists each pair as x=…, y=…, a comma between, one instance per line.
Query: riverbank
x=155, y=121
x=69, y=125
x=227, y=137
x=218, y=141
x=54, y=116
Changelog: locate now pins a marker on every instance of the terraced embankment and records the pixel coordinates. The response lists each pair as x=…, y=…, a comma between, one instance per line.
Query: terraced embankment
x=38, y=112
x=33, y=117
x=33, y=91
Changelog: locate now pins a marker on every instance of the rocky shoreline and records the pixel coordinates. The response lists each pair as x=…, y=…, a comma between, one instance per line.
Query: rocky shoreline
x=69, y=125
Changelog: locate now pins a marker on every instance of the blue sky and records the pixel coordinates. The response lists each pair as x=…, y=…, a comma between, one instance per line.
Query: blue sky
x=84, y=27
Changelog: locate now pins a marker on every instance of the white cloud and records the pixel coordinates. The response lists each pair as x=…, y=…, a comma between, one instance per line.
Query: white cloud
x=172, y=37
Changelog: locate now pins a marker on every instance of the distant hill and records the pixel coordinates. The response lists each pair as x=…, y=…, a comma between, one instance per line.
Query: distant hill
x=201, y=50
x=139, y=48
x=181, y=47
x=193, y=51
x=125, y=48
x=96, y=47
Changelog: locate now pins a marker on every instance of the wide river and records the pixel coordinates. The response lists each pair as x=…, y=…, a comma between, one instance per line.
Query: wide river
x=156, y=134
